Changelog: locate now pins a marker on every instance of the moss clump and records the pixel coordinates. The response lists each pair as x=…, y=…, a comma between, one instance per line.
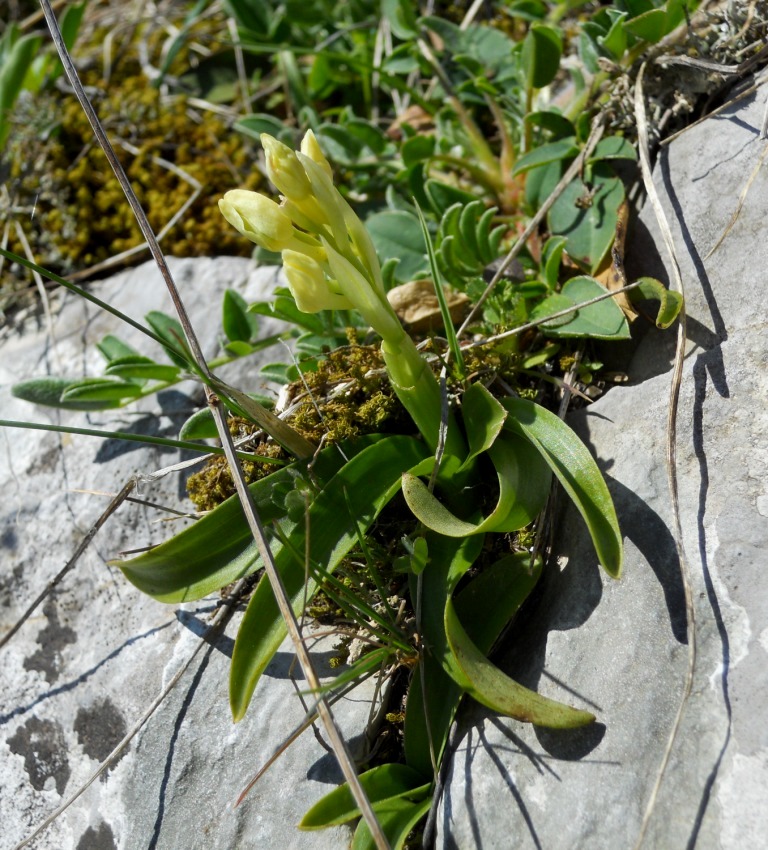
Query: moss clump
x=214, y=485
x=81, y=216
x=349, y=395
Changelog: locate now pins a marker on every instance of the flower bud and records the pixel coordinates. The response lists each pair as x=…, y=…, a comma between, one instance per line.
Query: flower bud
x=311, y=148
x=309, y=286
x=284, y=169
x=258, y=218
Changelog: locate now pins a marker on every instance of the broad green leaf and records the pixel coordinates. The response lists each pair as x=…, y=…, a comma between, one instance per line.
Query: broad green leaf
x=396, y=234
x=615, y=40
x=552, y=122
x=218, y=549
x=491, y=687
x=433, y=696
x=576, y=470
x=171, y=332
x=401, y=17
x=492, y=598
x=523, y=488
x=650, y=26
x=542, y=48
x=100, y=390
x=385, y=782
x=587, y=216
x=604, y=320
x=48, y=391
x=545, y=154
x=239, y=348
x=112, y=347
x=17, y=58
x=135, y=366
x=367, y=482
x=417, y=149
x=200, y=426
x=483, y=418
x=397, y=818
x=488, y=46
x=280, y=373
x=239, y=325
x=670, y=303
x=613, y=147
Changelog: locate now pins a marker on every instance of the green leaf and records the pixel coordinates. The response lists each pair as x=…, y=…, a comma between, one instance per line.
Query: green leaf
x=401, y=17
x=112, y=347
x=576, y=470
x=670, y=303
x=483, y=418
x=587, y=216
x=604, y=320
x=523, y=488
x=385, y=782
x=219, y=549
x=542, y=48
x=551, y=257
x=239, y=324
x=100, y=390
x=552, y=122
x=397, y=819
x=200, y=426
x=135, y=366
x=396, y=234
x=433, y=696
x=17, y=58
x=650, y=26
x=368, y=481
x=417, y=149
x=171, y=332
x=48, y=392
x=615, y=40
x=544, y=154
x=280, y=373
x=494, y=689
x=613, y=147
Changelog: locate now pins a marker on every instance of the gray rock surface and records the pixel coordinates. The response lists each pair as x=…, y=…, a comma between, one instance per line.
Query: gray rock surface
x=620, y=648
x=83, y=670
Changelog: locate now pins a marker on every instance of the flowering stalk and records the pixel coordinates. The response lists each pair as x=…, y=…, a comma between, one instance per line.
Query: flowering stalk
x=330, y=264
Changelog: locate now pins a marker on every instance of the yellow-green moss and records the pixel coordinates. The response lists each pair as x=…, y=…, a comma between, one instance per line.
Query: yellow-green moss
x=213, y=484
x=53, y=165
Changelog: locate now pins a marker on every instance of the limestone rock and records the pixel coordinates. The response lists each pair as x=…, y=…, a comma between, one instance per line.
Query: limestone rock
x=83, y=670
x=620, y=648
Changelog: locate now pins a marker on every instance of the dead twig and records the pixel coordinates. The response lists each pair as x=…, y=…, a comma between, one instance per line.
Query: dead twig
x=674, y=398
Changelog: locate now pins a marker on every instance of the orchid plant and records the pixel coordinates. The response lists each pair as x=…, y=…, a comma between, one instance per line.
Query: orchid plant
x=330, y=264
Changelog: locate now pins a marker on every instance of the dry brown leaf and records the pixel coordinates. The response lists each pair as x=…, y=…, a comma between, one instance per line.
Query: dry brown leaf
x=417, y=307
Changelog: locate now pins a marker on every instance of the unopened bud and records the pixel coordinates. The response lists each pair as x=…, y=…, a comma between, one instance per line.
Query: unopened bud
x=258, y=218
x=284, y=169
x=311, y=148
x=309, y=285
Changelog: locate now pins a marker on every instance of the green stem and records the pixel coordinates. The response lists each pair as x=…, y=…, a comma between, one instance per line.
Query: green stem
x=417, y=388
x=134, y=438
